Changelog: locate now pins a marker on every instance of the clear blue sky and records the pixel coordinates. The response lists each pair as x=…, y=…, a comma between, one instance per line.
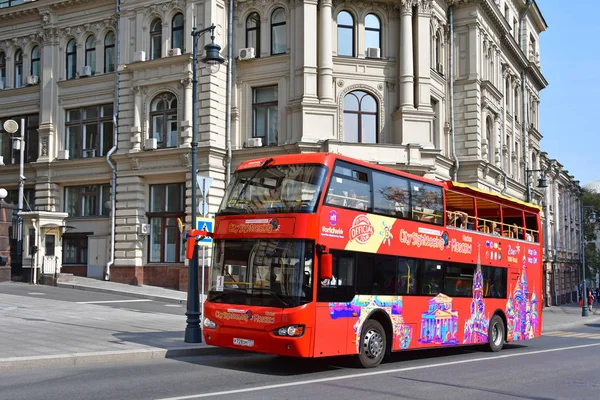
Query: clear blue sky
x=569, y=106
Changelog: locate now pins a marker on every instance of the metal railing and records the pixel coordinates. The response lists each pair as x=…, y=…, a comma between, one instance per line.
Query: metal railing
x=50, y=265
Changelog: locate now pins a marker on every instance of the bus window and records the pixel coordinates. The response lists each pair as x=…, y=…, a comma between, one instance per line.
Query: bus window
x=348, y=193
x=458, y=280
x=376, y=274
x=407, y=276
x=391, y=195
x=426, y=203
x=340, y=288
x=431, y=282
x=494, y=282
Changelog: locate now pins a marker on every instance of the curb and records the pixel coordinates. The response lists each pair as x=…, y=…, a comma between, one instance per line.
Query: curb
x=61, y=360
x=69, y=285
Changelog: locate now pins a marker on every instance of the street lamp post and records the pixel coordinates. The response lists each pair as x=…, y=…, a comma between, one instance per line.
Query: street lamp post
x=213, y=61
x=11, y=126
x=541, y=181
x=584, y=303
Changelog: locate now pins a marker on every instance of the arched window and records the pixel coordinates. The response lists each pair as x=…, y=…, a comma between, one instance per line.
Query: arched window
x=360, y=117
x=345, y=31
x=109, y=52
x=278, y=32
x=90, y=53
x=18, y=69
x=2, y=70
x=253, y=32
x=35, y=61
x=71, y=61
x=177, y=32
x=372, y=32
x=163, y=114
x=489, y=134
x=156, y=39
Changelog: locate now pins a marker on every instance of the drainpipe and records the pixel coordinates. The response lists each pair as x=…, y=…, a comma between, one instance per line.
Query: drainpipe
x=456, y=163
x=502, y=88
x=113, y=191
x=229, y=89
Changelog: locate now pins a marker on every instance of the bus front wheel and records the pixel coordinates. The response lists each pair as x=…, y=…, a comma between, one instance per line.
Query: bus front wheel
x=373, y=344
x=496, y=334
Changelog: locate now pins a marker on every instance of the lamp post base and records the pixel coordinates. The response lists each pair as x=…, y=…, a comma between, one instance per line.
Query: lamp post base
x=585, y=312
x=193, y=334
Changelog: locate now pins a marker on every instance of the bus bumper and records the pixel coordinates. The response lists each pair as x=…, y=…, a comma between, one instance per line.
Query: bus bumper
x=259, y=341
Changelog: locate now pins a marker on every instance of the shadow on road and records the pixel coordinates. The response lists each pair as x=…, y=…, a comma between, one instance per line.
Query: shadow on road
x=288, y=366
x=593, y=325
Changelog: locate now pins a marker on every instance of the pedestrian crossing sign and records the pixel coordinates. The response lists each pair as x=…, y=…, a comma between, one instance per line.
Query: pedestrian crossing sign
x=205, y=224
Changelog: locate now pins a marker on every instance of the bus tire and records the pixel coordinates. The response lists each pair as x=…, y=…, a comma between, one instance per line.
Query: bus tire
x=373, y=344
x=496, y=334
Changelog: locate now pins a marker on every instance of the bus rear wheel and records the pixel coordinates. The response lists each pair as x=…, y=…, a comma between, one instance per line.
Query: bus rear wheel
x=496, y=334
x=373, y=344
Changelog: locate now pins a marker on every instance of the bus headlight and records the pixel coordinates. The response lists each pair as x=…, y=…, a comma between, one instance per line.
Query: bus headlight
x=291, y=331
x=209, y=324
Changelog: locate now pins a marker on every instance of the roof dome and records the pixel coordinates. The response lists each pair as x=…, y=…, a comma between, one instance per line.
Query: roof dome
x=593, y=186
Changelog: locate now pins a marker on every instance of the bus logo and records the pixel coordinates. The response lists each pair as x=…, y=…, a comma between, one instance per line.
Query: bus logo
x=333, y=217
x=361, y=229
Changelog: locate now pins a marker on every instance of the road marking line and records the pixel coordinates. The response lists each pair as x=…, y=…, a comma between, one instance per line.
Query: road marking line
x=36, y=294
x=114, y=301
x=560, y=334
x=173, y=305
x=365, y=374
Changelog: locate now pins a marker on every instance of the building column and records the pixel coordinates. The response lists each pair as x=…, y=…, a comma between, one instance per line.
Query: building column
x=406, y=78
x=186, y=124
x=309, y=50
x=49, y=71
x=424, y=56
x=325, y=52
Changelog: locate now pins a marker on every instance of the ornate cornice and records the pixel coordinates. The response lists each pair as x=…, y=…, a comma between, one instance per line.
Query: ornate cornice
x=163, y=8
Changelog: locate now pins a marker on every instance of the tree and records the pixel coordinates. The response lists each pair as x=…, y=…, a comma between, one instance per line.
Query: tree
x=591, y=231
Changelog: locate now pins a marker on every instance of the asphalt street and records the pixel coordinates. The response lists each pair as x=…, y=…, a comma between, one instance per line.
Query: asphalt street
x=89, y=297
x=563, y=365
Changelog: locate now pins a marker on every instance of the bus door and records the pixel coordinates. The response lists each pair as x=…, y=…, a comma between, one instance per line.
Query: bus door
x=336, y=312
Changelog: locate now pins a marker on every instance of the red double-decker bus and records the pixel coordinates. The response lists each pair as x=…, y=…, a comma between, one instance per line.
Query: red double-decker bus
x=319, y=255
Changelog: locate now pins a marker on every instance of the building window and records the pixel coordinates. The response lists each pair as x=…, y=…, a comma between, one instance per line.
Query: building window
x=28, y=199
x=163, y=115
x=177, y=32
x=35, y=61
x=278, y=32
x=87, y=201
x=71, y=59
x=156, y=39
x=18, y=69
x=345, y=31
x=12, y=157
x=437, y=53
x=516, y=104
x=89, y=131
x=75, y=249
x=488, y=137
x=372, y=32
x=265, y=114
x=167, y=203
x=109, y=52
x=90, y=53
x=2, y=70
x=253, y=32
x=360, y=118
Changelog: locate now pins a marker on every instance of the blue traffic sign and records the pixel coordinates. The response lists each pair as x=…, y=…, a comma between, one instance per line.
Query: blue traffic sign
x=205, y=224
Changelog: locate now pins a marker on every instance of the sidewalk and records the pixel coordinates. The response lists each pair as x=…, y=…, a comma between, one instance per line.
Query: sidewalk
x=567, y=316
x=39, y=332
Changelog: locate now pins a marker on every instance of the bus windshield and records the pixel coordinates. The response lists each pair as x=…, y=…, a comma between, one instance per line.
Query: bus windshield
x=275, y=273
x=274, y=189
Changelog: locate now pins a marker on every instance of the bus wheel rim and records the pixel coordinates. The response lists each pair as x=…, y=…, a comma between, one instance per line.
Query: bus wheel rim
x=496, y=335
x=373, y=344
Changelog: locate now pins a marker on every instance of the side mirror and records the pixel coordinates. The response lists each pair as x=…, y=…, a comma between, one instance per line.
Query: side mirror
x=325, y=266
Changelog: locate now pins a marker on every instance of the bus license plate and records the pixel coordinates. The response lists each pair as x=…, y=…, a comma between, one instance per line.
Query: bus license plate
x=243, y=342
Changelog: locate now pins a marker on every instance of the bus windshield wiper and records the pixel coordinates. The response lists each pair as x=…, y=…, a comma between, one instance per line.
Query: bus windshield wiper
x=270, y=160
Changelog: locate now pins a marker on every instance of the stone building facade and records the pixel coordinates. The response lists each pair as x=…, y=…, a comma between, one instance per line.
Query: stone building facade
x=443, y=89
